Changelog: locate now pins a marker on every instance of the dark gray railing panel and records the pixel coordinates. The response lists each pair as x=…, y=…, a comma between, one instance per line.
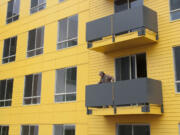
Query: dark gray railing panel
x=99, y=95
x=138, y=91
x=150, y=19
x=128, y=20
x=99, y=28
x=154, y=91
x=123, y=21
x=131, y=92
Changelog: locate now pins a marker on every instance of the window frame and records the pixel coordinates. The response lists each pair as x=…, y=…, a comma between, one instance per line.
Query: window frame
x=173, y=11
x=130, y=68
x=133, y=124
x=174, y=64
x=9, y=51
x=29, y=127
x=65, y=86
x=5, y=100
x=38, y=6
x=66, y=41
x=64, y=125
x=12, y=10
x=4, y=126
x=35, y=43
x=32, y=97
x=128, y=2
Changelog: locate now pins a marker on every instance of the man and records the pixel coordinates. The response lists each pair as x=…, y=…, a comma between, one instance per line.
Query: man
x=105, y=78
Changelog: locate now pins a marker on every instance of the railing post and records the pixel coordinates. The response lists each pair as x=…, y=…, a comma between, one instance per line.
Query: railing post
x=113, y=98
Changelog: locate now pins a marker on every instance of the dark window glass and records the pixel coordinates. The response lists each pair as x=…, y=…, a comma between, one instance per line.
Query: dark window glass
x=141, y=65
x=35, y=42
x=9, y=50
x=4, y=130
x=32, y=38
x=174, y=4
x=6, y=89
x=25, y=130
x=71, y=80
x=37, y=5
x=175, y=15
x=133, y=130
x=40, y=37
x=131, y=67
x=9, y=89
x=32, y=90
x=58, y=129
x=10, y=8
x=37, y=85
x=29, y=130
x=141, y=130
x=73, y=28
x=61, y=0
x=69, y=130
x=64, y=130
x=28, y=86
x=121, y=5
x=6, y=47
x=66, y=84
x=60, y=81
x=34, y=3
x=177, y=62
x=13, y=11
x=122, y=69
x=125, y=130
x=68, y=32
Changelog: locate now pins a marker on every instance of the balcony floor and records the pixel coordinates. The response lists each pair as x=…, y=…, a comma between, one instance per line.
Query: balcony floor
x=128, y=40
x=128, y=110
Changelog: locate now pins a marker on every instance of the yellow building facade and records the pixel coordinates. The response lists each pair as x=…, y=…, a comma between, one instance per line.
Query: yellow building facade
x=162, y=119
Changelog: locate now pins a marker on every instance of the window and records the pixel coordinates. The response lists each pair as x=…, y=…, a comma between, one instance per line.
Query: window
x=29, y=130
x=133, y=130
x=4, y=130
x=175, y=9
x=6, y=88
x=35, y=42
x=131, y=67
x=61, y=0
x=68, y=32
x=177, y=67
x=32, y=90
x=121, y=5
x=65, y=85
x=37, y=5
x=9, y=52
x=64, y=129
x=12, y=11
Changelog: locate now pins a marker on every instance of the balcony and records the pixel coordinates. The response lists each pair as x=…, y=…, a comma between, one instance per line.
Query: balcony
x=131, y=97
x=126, y=29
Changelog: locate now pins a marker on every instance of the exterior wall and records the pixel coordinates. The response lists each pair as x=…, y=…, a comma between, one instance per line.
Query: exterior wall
x=159, y=66
x=47, y=112
x=89, y=63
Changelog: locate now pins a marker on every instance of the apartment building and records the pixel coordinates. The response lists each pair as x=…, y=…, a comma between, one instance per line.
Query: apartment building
x=51, y=53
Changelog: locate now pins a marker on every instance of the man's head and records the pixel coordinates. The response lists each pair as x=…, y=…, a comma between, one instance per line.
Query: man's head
x=101, y=73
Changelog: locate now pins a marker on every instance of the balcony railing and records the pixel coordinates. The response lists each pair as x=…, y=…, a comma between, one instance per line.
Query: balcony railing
x=142, y=91
x=135, y=19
